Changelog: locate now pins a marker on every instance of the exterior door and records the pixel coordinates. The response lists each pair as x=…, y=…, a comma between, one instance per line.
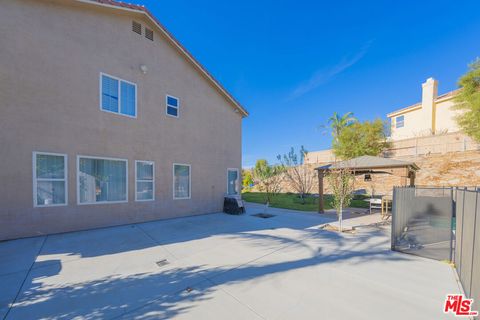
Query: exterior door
x=232, y=181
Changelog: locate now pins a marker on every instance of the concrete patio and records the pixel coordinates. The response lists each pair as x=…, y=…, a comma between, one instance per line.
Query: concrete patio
x=220, y=266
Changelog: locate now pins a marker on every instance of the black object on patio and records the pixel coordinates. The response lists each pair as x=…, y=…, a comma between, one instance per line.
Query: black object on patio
x=233, y=205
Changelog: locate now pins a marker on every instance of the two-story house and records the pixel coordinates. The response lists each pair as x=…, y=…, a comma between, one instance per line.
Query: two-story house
x=106, y=119
x=433, y=115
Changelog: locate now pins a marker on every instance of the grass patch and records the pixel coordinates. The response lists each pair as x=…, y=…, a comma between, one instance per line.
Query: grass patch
x=293, y=201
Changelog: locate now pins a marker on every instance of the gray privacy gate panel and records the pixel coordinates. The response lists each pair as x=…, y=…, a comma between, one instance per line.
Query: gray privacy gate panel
x=423, y=222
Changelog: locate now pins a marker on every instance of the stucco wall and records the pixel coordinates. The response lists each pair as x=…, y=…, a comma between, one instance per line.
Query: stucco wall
x=445, y=116
x=50, y=59
x=414, y=125
x=417, y=125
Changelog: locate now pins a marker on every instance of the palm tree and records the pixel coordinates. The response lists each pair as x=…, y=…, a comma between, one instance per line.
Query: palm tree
x=337, y=122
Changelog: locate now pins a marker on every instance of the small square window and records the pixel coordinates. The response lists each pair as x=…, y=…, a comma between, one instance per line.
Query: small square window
x=173, y=105
x=400, y=122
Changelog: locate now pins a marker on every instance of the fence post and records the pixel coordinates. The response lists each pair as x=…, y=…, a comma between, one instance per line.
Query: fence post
x=451, y=226
x=459, y=267
x=392, y=233
x=473, y=243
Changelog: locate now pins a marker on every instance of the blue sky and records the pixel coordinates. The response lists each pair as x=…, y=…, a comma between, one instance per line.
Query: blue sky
x=293, y=63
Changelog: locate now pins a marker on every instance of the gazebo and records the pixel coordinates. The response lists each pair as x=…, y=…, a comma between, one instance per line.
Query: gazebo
x=369, y=165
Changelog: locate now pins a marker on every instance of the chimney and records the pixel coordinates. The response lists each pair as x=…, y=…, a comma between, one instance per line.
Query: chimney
x=429, y=95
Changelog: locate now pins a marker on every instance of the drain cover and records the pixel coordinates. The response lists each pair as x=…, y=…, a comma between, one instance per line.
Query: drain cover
x=162, y=263
x=263, y=215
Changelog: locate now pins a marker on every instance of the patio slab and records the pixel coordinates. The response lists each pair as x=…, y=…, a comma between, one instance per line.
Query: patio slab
x=221, y=266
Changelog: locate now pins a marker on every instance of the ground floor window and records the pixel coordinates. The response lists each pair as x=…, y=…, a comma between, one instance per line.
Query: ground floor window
x=101, y=180
x=232, y=181
x=145, y=180
x=49, y=179
x=181, y=181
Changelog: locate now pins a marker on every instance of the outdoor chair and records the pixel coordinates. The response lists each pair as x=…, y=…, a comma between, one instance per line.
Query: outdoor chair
x=375, y=204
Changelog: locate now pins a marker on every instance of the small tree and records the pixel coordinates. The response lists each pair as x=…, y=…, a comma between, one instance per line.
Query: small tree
x=247, y=181
x=341, y=182
x=268, y=177
x=361, y=138
x=299, y=176
x=468, y=101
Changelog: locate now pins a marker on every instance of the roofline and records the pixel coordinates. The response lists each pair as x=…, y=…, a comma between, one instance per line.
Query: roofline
x=412, y=165
x=143, y=10
x=443, y=97
x=405, y=110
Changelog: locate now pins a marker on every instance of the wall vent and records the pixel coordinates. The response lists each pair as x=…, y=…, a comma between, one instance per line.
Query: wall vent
x=149, y=34
x=136, y=27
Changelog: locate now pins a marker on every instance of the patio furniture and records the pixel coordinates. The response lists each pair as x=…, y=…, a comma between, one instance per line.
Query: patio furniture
x=375, y=204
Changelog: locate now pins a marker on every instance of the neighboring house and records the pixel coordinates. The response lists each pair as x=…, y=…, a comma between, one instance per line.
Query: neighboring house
x=427, y=127
x=105, y=119
x=433, y=115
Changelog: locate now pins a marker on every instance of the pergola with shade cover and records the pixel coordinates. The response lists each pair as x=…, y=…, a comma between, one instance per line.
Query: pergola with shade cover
x=368, y=165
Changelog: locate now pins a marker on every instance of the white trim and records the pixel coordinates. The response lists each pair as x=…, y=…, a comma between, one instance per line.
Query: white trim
x=119, y=95
x=238, y=179
x=100, y=202
x=167, y=105
x=152, y=181
x=35, y=179
x=189, y=181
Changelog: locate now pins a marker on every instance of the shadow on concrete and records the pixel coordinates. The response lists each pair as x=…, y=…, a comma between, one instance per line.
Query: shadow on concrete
x=163, y=295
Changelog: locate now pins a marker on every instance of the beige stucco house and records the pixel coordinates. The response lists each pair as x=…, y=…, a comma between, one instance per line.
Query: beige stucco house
x=105, y=119
x=433, y=115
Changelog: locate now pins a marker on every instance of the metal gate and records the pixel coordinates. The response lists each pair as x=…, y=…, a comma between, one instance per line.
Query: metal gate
x=423, y=222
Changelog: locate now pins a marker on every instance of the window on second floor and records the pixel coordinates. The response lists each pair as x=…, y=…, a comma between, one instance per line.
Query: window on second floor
x=118, y=96
x=399, y=122
x=173, y=104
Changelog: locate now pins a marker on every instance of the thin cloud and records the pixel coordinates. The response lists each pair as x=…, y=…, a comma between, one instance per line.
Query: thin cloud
x=322, y=76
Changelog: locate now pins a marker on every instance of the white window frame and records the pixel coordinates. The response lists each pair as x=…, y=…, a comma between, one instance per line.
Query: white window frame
x=100, y=202
x=119, y=95
x=189, y=181
x=152, y=181
x=396, y=122
x=238, y=179
x=35, y=179
x=167, y=105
